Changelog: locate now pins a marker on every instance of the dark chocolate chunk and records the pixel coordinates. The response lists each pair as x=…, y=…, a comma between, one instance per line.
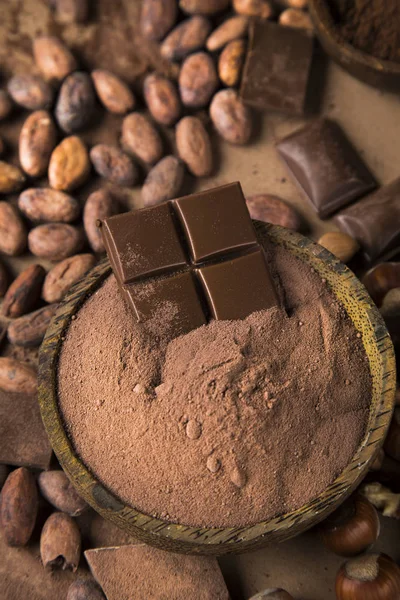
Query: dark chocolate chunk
x=235, y=288
x=143, y=243
x=216, y=222
x=277, y=68
x=173, y=299
x=156, y=254
x=374, y=222
x=326, y=166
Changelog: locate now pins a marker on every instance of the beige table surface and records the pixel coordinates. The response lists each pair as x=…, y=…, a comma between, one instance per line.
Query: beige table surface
x=372, y=121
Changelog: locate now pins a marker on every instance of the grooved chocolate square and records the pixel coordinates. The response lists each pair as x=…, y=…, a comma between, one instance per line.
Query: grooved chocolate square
x=237, y=287
x=326, y=166
x=277, y=68
x=216, y=222
x=143, y=243
x=173, y=299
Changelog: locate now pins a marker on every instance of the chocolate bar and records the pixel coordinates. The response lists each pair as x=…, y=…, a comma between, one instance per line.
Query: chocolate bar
x=326, y=166
x=374, y=222
x=145, y=573
x=195, y=257
x=277, y=68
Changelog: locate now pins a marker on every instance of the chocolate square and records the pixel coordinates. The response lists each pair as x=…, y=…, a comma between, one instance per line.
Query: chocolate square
x=277, y=68
x=173, y=299
x=142, y=243
x=374, y=222
x=238, y=287
x=326, y=166
x=216, y=222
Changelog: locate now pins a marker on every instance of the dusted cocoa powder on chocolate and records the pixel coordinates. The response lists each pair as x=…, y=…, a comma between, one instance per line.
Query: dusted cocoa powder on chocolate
x=230, y=424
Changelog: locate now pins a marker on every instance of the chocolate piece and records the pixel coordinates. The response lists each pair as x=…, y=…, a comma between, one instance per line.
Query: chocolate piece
x=142, y=243
x=374, y=222
x=216, y=222
x=178, y=237
x=174, y=298
x=326, y=166
x=142, y=573
x=277, y=68
x=238, y=287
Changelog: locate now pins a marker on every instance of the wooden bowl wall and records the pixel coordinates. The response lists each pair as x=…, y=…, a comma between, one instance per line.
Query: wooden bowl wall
x=180, y=538
x=373, y=71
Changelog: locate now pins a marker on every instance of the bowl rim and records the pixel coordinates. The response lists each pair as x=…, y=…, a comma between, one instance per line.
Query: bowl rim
x=325, y=25
x=212, y=540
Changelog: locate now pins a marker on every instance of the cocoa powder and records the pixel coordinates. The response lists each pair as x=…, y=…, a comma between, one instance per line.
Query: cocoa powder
x=372, y=26
x=233, y=423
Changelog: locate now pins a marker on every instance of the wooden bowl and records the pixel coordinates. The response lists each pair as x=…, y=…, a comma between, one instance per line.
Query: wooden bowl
x=373, y=71
x=179, y=538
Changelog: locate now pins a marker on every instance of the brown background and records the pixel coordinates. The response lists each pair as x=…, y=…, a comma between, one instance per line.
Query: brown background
x=370, y=117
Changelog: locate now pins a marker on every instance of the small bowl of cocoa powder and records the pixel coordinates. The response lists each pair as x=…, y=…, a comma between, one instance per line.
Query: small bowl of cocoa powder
x=235, y=434
x=363, y=36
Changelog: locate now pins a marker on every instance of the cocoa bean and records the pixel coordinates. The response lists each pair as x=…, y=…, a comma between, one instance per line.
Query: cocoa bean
x=231, y=61
x=162, y=99
x=17, y=377
x=63, y=276
x=140, y=138
x=18, y=507
x=4, y=279
x=271, y=209
x=113, y=93
x=85, y=589
x=5, y=105
x=53, y=58
x=12, y=230
x=293, y=17
x=194, y=146
x=157, y=18
x=198, y=80
x=28, y=331
x=57, y=489
x=253, y=8
x=231, y=117
x=69, y=164
x=163, y=182
x=99, y=206
x=30, y=91
x=70, y=11
x=4, y=471
x=113, y=164
x=24, y=292
x=340, y=244
x=60, y=543
x=12, y=178
x=47, y=205
x=55, y=241
x=75, y=103
x=37, y=141
x=295, y=3
x=188, y=36
x=231, y=29
x=203, y=7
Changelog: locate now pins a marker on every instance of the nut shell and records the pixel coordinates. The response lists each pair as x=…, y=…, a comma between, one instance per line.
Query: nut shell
x=64, y=275
x=24, y=292
x=55, y=241
x=163, y=181
x=18, y=507
x=141, y=138
x=60, y=543
x=113, y=93
x=37, y=141
x=17, y=377
x=231, y=117
x=198, y=80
